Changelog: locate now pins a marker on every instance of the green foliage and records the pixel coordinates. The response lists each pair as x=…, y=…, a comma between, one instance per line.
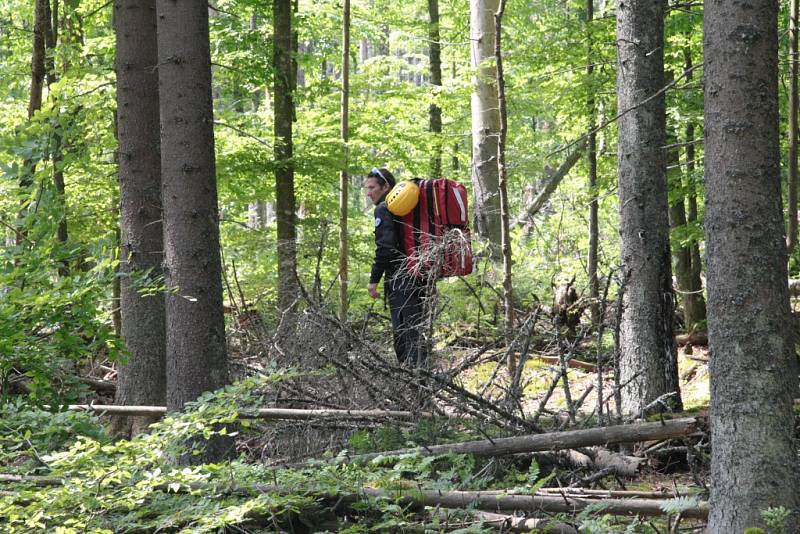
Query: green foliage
x=776, y=519
x=678, y=505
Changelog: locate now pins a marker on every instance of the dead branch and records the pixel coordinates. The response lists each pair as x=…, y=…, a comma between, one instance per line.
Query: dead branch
x=261, y=413
x=571, y=439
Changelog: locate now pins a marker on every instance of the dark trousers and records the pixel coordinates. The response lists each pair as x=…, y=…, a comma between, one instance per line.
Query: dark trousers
x=405, y=298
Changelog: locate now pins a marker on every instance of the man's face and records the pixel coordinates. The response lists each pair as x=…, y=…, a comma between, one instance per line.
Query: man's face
x=375, y=189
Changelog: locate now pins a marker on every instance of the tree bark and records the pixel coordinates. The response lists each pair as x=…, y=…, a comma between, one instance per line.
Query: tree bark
x=648, y=360
x=344, y=179
x=435, y=112
x=196, y=354
x=485, y=124
x=505, y=232
x=142, y=379
x=753, y=367
x=285, y=206
x=40, y=26
x=591, y=159
x=791, y=237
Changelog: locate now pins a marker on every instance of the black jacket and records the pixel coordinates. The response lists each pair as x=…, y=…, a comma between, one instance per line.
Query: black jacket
x=388, y=255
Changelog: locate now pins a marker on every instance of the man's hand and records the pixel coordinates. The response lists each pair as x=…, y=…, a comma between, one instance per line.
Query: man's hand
x=372, y=289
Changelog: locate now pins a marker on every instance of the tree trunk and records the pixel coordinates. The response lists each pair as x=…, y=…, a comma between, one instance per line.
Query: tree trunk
x=435, y=112
x=485, y=124
x=648, y=360
x=681, y=255
x=753, y=367
x=591, y=159
x=51, y=75
x=694, y=302
x=344, y=181
x=40, y=26
x=196, y=357
x=142, y=379
x=505, y=233
x=791, y=238
x=284, y=165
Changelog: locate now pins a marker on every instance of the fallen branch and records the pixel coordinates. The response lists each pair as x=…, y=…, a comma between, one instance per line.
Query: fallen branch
x=262, y=413
x=528, y=503
x=693, y=338
x=553, y=179
x=571, y=439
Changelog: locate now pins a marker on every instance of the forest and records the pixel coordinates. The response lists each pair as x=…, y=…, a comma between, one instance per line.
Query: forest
x=191, y=335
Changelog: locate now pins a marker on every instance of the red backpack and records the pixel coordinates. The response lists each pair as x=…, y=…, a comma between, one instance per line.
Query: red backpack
x=440, y=219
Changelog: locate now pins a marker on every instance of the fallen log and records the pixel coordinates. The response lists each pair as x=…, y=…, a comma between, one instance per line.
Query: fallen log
x=692, y=338
x=494, y=502
x=607, y=494
x=99, y=385
x=261, y=413
x=571, y=439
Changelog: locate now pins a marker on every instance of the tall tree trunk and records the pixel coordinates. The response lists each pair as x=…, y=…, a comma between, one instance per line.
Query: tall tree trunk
x=753, y=366
x=284, y=165
x=695, y=302
x=648, y=360
x=40, y=27
x=196, y=356
x=51, y=75
x=591, y=157
x=142, y=379
x=681, y=255
x=41, y=24
x=344, y=180
x=435, y=112
x=791, y=238
x=505, y=233
x=485, y=123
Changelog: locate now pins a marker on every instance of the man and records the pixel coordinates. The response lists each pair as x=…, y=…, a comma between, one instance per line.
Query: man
x=403, y=292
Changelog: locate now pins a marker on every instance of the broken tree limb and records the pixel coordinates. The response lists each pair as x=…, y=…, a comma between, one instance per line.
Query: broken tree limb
x=553, y=179
x=494, y=502
x=572, y=439
x=693, y=338
x=262, y=413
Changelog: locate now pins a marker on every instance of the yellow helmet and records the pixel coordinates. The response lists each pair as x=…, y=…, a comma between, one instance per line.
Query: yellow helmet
x=403, y=198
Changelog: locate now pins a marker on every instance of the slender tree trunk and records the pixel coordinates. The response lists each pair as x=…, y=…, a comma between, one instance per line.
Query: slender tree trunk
x=485, y=123
x=681, y=256
x=284, y=165
x=648, y=358
x=40, y=26
x=791, y=238
x=435, y=112
x=143, y=378
x=753, y=367
x=695, y=302
x=196, y=356
x=344, y=180
x=505, y=233
x=51, y=75
x=591, y=157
